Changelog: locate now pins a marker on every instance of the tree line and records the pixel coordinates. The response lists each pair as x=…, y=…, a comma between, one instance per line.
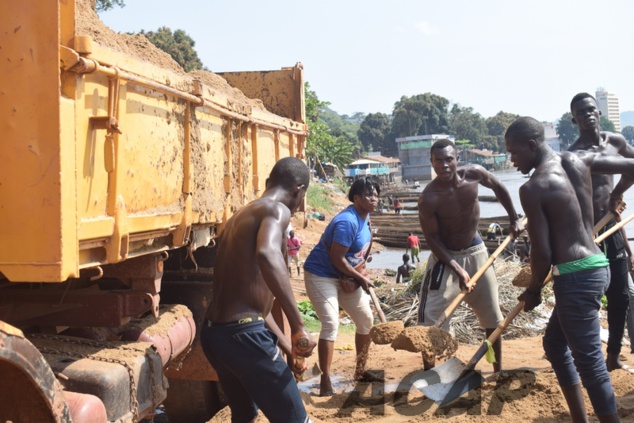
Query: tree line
x=339, y=139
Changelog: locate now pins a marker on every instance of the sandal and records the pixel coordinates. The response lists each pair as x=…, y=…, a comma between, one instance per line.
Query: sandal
x=369, y=377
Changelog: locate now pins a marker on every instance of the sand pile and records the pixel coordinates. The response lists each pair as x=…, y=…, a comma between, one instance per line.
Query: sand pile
x=433, y=343
x=385, y=333
x=523, y=278
x=137, y=45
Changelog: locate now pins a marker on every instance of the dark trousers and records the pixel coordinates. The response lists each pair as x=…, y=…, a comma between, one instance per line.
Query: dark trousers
x=572, y=341
x=618, y=301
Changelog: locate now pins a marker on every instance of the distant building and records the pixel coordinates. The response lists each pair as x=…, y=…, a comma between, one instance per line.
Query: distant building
x=609, y=106
x=550, y=136
x=414, y=153
x=487, y=158
x=377, y=167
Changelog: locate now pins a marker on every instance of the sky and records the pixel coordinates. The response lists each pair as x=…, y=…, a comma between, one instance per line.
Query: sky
x=524, y=57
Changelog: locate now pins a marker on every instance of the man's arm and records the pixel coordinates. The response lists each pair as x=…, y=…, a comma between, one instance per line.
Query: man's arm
x=429, y=225
x=274, y=272
x=600, y=163
x=541, y=252
x=398, y=275
x=490, y=181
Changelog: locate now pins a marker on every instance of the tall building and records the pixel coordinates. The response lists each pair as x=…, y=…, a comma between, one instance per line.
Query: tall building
x=609, y=106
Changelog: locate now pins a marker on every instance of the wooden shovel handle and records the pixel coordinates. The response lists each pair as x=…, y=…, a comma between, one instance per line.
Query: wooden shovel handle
x=520, y=305
x=601, y=223
x=493, y=337
x=474, y=279
x=613, y=229
x=377, y=305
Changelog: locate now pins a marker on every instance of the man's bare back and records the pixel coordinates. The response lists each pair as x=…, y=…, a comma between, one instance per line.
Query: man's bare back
x=239, y=288
x=557, y=200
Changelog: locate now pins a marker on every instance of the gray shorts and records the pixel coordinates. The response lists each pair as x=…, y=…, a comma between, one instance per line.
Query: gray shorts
x=440, y=286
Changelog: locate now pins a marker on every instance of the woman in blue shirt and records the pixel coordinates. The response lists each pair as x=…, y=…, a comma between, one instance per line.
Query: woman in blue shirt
x=342, y=246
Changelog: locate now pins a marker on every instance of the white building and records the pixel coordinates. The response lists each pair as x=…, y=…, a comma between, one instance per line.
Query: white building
x=608, y=104
x=550, y=136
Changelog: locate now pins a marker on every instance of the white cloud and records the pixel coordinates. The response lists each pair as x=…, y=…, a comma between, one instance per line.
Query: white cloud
x=424, y=28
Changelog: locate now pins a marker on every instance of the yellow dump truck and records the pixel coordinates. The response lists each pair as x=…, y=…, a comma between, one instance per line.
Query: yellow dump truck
x=116, y=176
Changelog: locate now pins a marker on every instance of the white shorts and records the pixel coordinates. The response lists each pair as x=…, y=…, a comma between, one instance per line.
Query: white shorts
x=326, y=296
x=292, y=259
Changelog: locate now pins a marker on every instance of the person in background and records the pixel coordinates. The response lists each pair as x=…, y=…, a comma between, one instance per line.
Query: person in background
x=493, y=231
x=292, y=245
x=341, y=248
x=586, y=115
x=413, y=244
x=381, y=206
x=397, y=205
x=403, y=272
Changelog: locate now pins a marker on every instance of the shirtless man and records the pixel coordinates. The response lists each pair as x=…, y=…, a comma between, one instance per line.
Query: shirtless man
x=557, y=200
x=449, y=212
x=586, y=115
x=250, y=272
x=403, y=271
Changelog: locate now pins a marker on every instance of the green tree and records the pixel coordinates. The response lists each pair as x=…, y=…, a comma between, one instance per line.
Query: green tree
x=341, y=123
x=628, y=133
x=465, y=124
x=497, y=126
x=321, y=145
x=606, y=124
x=179, y=45
x=422, y=114
x=104, y=5
x=374, y=133
x=567, y=131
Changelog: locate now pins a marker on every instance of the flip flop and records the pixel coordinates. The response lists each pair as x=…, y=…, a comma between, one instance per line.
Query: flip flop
x=369, y=376
x=627, y=368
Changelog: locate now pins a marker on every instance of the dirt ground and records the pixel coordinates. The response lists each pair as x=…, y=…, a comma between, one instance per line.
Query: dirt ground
x=527, y=390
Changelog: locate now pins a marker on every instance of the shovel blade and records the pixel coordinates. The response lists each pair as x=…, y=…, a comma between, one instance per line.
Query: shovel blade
x=445, y=393
x=443, y=373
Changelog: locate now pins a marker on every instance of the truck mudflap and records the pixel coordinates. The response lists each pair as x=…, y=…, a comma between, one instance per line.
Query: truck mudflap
x=172, y=333
x=126, y=376
x=29, y=392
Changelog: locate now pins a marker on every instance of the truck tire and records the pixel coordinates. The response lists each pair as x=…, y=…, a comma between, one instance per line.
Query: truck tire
x=192, y=401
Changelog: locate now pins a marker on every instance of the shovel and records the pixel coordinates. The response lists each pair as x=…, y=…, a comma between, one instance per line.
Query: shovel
x=474, y=279
x=468, y=379
x=303, y=344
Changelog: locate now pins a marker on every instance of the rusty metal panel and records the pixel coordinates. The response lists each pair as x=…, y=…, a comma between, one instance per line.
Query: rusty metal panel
x=37, y=171
x=279, y=90
x=112, y=157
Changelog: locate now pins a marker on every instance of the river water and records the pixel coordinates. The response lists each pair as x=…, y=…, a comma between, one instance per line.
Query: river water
x=512, y=180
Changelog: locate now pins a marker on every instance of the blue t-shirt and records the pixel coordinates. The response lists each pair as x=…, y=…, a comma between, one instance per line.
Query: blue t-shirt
x=348, y=229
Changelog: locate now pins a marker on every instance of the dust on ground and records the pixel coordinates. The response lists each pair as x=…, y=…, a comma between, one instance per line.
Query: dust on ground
x=527, y=392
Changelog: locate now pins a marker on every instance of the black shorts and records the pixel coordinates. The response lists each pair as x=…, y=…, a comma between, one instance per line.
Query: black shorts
x=252, y=372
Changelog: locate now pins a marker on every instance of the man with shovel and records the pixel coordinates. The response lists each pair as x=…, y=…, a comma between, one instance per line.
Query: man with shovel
x=449, y=212
x=250, y=272
x=557, y=200
x=586, y=116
